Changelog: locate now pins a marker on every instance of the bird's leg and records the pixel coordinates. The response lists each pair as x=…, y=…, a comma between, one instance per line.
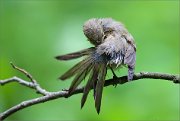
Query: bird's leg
x=114, y=75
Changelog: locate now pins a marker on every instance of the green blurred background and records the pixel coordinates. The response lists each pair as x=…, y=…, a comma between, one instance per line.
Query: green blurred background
x=33, y=32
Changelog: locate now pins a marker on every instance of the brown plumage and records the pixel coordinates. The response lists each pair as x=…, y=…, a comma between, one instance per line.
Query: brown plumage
x=114, y=46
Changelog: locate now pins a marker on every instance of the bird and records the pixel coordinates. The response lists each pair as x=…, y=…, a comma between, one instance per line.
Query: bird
x=113, y=47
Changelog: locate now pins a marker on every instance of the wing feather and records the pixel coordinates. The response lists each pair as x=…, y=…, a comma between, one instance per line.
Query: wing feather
x=76, y=54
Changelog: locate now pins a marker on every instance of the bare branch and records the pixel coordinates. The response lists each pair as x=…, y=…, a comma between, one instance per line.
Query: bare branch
x=47, y=96
x=24, y=72
x=25, y=83
x=16, y=79
x=143, y=75
x=33, y=84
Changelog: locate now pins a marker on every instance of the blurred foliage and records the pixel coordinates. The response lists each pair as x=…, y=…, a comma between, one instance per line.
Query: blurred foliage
x=33, y=32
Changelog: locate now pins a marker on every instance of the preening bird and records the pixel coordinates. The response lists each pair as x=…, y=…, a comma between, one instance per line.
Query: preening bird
x=113, y=47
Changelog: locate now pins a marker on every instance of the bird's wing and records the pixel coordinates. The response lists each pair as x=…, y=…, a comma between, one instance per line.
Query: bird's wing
x=75, y=55
x=82, y=65
x=80, y=76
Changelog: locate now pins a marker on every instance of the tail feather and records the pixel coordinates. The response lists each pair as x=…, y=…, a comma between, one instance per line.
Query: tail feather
x=92, y=78
x=94, y=88
x=99, y=86
x=76, y=68
x=76, y=54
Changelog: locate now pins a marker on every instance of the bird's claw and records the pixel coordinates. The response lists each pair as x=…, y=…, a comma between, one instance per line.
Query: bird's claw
x=115, y=79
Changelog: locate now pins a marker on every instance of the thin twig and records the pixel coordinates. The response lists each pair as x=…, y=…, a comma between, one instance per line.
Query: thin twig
x=47, y=96
x=24, y=72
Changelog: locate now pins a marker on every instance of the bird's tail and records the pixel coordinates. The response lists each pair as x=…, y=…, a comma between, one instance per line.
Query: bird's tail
x=96, y=80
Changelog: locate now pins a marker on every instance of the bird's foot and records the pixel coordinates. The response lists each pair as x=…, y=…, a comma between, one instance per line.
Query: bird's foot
x=115, y=78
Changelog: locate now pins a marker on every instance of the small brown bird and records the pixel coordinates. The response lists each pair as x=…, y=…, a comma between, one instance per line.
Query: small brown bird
x=114, y=47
